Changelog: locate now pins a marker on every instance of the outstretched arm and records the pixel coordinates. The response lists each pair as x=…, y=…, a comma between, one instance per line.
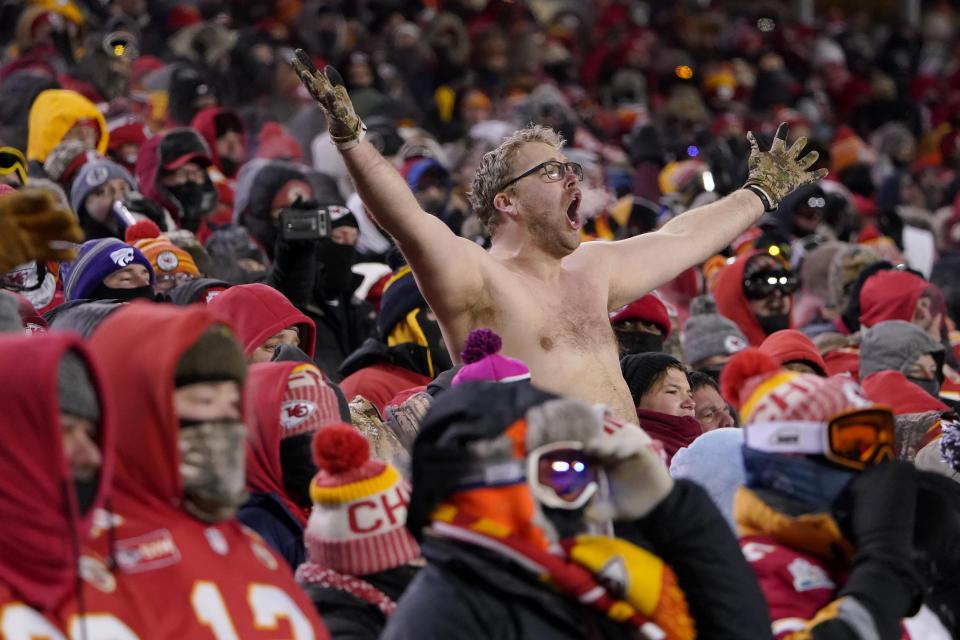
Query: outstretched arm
x=446, y=266
x=642, y=263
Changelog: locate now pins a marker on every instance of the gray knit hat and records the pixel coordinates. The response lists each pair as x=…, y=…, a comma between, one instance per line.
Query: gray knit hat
x=896, y=345
x=78, y=396
x=707, y=333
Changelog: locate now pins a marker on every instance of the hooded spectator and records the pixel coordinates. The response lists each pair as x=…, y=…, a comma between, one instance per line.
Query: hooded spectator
x=225, y=135
x=58, y=429
x=641, y=326
x=410, y=351
x=286, y=404
x=235, y=257
x=661, y=393
x=59, y=114
x=356, y=573
x=845, y=268
x=189, y=92
x=756, y=292
x=100, y=185
x=201, y=290
x=107, y=269
x=901, y=295
x=171, y=171
x=263, y=320
x=794, y=351
x=903, y=346
x=184, y=388
x=276, y=144
x=125, y=142
x=709, y=339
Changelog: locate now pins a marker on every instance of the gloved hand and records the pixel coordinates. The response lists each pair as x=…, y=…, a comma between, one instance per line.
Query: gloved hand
x=346, y=129
x=881, y=526
x=638, y=478
x=34, y=227
x=404, y=419
x=776, y=173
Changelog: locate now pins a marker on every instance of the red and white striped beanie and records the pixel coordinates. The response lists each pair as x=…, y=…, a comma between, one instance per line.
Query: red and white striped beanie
x=358, y=522
x=309, y=402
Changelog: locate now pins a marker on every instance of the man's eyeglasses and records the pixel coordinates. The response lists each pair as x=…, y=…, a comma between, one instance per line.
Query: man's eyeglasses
x=553, y=169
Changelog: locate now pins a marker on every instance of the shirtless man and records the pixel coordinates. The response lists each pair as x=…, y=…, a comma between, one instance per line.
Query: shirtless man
x=548, y=296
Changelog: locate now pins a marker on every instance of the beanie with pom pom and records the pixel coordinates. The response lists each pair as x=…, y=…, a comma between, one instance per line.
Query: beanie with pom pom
x=165, y=256
x=358, y=522
x=754, y=383
x=482, y=361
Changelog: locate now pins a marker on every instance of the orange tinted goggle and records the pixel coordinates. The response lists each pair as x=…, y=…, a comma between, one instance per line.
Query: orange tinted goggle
x=860, y=437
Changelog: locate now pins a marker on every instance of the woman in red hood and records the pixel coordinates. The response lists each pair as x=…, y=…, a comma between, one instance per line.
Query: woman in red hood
x=795, y=351
x=182, y=560
x=286, y=404
x=58, y=429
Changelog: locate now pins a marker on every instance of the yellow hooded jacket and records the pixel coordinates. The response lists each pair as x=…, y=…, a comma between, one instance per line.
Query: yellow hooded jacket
x=53, y=113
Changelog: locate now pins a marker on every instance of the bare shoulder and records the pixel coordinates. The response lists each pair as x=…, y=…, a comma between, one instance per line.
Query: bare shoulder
x=450, y=271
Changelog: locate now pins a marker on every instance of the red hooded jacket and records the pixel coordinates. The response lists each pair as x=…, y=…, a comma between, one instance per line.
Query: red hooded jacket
x=41, y=527
x=733, y=304
x=184, y=575
x=894, y=390
x=891, y=295
x=257, y=311
x=205, y=124
x=264, y=400
x=790, y=345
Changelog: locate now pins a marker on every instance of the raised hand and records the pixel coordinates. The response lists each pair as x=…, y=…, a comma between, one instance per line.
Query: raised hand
x=34, y=227
x=776, y=173
x=346, y=128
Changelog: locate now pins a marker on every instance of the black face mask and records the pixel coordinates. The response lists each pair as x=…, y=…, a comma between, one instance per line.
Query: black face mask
x=296, y=461
x=229, y=166
x=930, y=386
x=103, y=292
x=334, y=276
x=86, y=492
x=638, y=342
x=196, y=201
x=773, y=323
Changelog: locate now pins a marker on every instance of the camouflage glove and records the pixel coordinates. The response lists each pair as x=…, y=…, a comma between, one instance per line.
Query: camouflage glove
x=346, y=129
x=34, y=227
x=776, y=173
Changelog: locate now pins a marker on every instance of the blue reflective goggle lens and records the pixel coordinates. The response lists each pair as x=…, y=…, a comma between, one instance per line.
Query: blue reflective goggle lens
x=568, y=473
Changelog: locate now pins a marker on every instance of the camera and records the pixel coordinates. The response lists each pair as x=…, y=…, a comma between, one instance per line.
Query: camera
x=304, y=224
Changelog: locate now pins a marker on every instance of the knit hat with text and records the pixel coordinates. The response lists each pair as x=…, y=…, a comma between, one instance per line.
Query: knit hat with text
x=358, y=523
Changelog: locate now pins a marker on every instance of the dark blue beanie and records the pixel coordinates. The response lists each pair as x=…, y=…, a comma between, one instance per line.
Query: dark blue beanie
x=400, y=297
x=97, y=259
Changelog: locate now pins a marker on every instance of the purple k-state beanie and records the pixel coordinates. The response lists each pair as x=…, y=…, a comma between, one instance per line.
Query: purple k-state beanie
x=97, y=259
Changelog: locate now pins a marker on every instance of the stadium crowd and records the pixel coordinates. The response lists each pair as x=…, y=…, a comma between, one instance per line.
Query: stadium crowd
x=398, y=319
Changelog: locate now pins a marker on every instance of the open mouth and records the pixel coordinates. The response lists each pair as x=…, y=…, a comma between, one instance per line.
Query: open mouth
x=573, y=211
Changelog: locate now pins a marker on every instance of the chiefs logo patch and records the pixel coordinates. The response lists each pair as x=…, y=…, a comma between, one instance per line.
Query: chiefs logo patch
x=167, y=261
x=294, y=412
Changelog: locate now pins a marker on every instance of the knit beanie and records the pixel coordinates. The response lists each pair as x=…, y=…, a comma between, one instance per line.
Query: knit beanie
x=400, y=297
x=640, y=370
x=706, y=333
x=216, y=356
x=482, y=360
x=896, y=345
x=358, y=523
x=165, y=256
x=75, y=389
x=97, y=259
x=761, y=391
x=649, y=308
x=93, y=175
x=309, y=402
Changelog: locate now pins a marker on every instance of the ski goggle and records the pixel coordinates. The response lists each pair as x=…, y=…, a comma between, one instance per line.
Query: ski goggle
x=561, y=475
x=762, y=284
x=855, y=438
x=861, y=437
x=12, y=160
